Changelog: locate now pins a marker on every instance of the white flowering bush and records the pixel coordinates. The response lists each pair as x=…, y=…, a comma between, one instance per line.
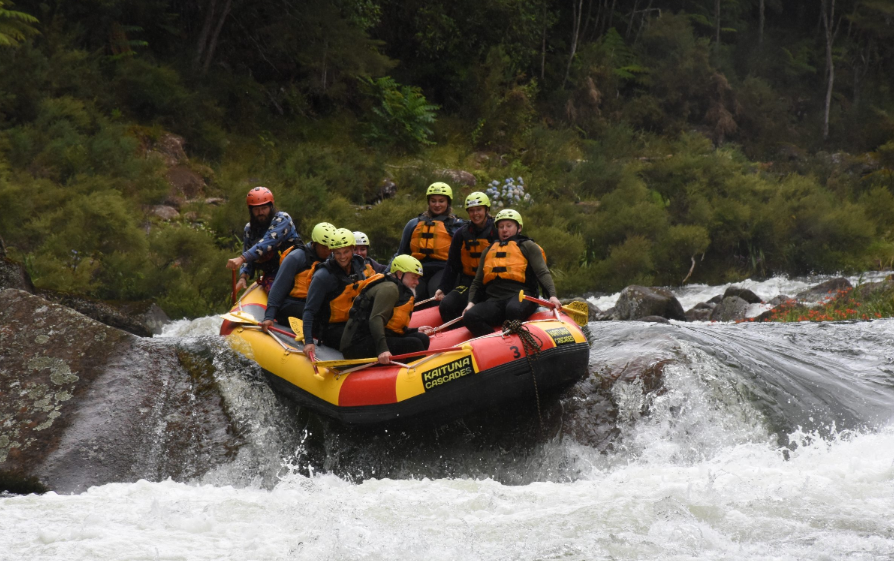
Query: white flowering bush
x=510, y=193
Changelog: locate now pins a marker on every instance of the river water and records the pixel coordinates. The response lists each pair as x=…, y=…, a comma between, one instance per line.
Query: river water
x=768, y=441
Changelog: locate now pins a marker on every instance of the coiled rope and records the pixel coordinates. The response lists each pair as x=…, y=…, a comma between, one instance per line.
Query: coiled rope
x=532, y=344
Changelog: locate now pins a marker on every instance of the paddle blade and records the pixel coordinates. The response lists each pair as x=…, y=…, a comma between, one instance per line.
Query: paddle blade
x=298, y=328
x=578, y=311
x=239, y=317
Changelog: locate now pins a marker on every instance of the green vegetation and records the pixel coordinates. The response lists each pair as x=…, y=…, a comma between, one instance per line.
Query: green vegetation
x=658, y=141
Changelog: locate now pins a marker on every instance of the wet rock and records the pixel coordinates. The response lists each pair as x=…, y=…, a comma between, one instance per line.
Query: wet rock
x=779, y=300
x=824, y=291
x=731, y=308
x=457, y=177
x=607, y=315
x=715, y=299
x=864, y=291
x=653, y=319
x=742, y=293
x=637, y=302
x=700, y=312
x=86, y=404
x=139, y=318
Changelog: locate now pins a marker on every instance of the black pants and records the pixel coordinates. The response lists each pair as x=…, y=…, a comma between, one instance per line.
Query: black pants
x=454, y=303
x=428, y=282
x=332, y=334
x=291, y=307
x=397, y=345
x=483, y=317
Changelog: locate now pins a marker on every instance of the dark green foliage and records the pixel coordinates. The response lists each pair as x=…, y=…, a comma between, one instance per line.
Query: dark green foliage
x=663, y=146
x=401, y=116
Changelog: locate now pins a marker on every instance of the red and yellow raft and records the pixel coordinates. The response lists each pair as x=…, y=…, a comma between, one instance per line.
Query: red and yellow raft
x=482, y=373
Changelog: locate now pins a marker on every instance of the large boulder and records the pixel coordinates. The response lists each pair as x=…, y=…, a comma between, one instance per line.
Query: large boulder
x=700, y=312
x=824, y=291
x=457, y=177
x=139, y=318
x=85, y=404
x=637, y=302
x=731, y=308
x=742, y=293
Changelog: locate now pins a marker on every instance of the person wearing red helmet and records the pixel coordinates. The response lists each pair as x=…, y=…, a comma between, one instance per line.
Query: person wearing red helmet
x=268, y=233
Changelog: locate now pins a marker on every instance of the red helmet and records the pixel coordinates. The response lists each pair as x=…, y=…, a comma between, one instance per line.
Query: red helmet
x=259, y=196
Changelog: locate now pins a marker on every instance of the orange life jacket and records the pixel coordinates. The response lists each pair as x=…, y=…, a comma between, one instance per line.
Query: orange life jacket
x=340, y=306
x=473, y=246
x=505, y=260
x=303, y=278
x=430, y=240
x=368, y=270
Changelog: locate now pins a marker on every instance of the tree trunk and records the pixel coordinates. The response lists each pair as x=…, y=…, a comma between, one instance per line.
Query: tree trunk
x=642, y=22
x=630, y=23
x=577, y=18
x=828, y=17
x=203, y=34
x=212, y=45
x=760, y=27
x=543, y=47
x=611, y=14
x=717, y=26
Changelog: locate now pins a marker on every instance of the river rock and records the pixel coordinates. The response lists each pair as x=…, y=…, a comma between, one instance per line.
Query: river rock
x=742, y=293
x=731, y=308
x=700, y=312
x=86, y=404
x=864, y=291
x=824, y=291
x=779, y=300
x=139, y=318
x=637, y=302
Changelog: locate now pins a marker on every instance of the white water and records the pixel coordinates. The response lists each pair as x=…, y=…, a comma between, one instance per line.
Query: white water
x=692, y=294
x=701, y=477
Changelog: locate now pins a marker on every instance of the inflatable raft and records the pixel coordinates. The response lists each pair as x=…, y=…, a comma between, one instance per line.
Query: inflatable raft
x=458, y=375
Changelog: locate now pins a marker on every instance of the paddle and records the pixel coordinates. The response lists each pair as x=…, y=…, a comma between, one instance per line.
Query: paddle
x=240, y=317
x=234, y=286
x=352, y=362
x=421, y=302
x=298, y=327
x=578, y=311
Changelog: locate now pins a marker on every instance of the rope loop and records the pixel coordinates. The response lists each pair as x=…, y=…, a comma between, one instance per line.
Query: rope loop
x=532, y=345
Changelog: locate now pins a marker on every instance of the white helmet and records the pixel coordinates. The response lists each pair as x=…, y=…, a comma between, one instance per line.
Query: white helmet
x=361, y=239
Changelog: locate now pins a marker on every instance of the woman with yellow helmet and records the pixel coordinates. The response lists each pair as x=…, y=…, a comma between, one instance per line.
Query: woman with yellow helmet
x=332, y=290
x=469, y=242
x=511, y=264
x=428, y=236
x=380, y=316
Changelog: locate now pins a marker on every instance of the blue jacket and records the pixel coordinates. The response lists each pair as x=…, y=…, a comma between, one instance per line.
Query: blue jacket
x=260, y=248
x=324, y=287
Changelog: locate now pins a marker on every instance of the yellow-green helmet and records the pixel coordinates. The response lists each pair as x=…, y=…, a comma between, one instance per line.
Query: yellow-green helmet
x=322, y=233
x=509, y=214
x=406, y=264
x=342, y=238
x=439, y=188
x=477, y=199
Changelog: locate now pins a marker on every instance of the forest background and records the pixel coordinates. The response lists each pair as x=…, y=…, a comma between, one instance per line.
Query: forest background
x=660, y=142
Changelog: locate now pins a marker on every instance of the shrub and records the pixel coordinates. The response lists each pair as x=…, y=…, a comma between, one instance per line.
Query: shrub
x=401, y=116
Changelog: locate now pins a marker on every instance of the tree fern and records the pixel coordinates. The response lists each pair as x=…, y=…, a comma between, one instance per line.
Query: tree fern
x=15, y=26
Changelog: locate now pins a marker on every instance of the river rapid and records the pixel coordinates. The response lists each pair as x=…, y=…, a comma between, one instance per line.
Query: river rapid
x=766, y=441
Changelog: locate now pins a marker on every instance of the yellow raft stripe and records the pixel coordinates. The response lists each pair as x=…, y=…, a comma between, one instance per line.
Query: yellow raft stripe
x=292, y=367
